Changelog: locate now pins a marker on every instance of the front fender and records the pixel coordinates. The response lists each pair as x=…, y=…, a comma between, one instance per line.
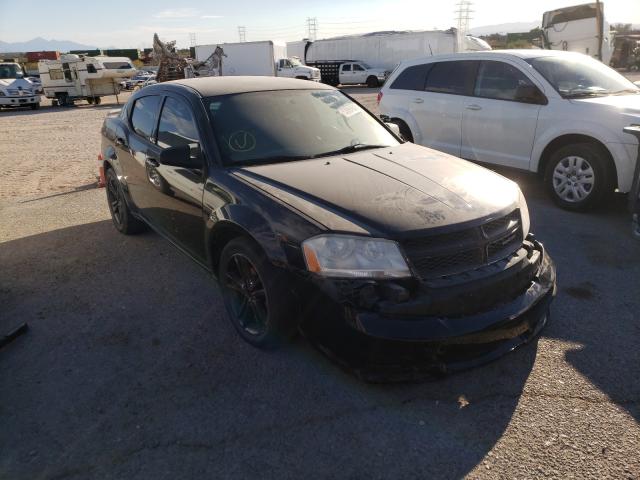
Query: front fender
x=597, y=131
x=243, y=219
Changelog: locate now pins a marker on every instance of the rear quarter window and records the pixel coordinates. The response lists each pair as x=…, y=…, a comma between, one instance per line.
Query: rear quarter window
x=412, y=78
x=454, y=77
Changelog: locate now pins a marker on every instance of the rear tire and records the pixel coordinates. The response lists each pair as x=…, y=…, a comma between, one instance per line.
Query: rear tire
x=90, y=100
x=123, y=219
x=578, y=176
x=257, y=295
x=372, y=82
x=35, y=106
x=97, y=100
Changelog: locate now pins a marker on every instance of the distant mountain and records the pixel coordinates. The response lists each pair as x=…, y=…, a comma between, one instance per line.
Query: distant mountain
x=515, y=27
x=38, y=44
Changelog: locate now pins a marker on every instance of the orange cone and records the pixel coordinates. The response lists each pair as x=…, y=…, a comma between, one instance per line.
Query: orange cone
x=101, y=178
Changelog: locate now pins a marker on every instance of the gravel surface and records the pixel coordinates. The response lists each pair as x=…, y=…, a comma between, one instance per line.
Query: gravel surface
x=130, y=368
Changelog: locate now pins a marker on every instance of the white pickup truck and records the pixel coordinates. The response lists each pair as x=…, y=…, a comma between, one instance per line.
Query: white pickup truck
x=350, y=72
x=15, y=90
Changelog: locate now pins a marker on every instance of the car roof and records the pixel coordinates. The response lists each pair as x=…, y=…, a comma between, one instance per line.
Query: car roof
x=213, y=86
x=523, y=54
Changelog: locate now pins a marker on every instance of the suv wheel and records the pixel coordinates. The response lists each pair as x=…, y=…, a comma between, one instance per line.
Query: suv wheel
x=121, y=215
x=577, y=176
x=257, y=299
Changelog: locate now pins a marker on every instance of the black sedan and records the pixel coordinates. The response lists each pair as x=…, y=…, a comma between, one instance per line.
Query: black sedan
x=315, y=216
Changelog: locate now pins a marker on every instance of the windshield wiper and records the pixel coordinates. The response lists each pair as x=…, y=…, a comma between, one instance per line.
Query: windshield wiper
x=586, y=94
x=626, y=90
x=350, y=149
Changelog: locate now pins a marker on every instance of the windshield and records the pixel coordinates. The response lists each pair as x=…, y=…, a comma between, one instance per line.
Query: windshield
x=10, y=71
x=579, y=75
x=286, y=125
x=365, y=65
x=117, y=65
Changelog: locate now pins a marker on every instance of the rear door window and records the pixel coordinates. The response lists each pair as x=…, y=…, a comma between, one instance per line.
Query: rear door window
x=144, y=115
x=346, y=67
x=499, y=80
x=454, y=77
x=412, y=78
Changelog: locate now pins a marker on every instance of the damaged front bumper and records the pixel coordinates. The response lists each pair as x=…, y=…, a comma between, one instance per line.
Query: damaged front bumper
x=389, y=331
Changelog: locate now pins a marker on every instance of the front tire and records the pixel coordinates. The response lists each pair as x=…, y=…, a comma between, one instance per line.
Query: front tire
x=577, y=176
x=121, y=215
x=257, y=296
x=34, y=106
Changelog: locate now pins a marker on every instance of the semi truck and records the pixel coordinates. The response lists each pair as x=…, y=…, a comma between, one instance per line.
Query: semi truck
x=379, y=51
x=581, y=28
x=76, y=77
x=15, y=90
x=258, y=58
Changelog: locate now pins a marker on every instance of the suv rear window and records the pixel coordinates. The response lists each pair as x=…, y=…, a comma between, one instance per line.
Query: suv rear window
x=456, y=77
x=145, y=113
x=412, y=78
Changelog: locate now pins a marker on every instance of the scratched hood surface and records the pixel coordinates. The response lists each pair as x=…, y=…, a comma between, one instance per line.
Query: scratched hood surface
x=391, y=191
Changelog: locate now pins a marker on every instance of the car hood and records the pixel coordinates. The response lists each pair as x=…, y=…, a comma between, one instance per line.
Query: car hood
x=624, y=103
x=391, y=191
x=15, y=83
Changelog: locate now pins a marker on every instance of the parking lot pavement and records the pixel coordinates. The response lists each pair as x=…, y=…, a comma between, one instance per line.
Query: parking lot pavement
x=130, y=368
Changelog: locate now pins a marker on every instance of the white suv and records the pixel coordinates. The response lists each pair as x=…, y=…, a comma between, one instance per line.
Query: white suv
x=557, y=113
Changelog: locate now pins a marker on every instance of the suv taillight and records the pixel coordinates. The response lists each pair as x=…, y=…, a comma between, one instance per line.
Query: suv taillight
x=379, y=96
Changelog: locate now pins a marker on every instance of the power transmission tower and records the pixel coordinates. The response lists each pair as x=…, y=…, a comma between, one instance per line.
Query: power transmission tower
x=312, y=28
x=242, y=33
x=192, y=39
x=463, y=16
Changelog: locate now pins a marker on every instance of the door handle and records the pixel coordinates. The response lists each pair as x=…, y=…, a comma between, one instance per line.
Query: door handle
x=473, y=107
x=418, y=100
x=152, y=162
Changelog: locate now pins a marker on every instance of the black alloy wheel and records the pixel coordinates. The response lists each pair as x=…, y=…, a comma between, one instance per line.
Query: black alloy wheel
x=122, y=218
x=247, y=295
x=257, y=296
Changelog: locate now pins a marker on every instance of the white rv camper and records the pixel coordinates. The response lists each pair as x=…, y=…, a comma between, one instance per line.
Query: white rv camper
x=581, y=28
x=75, y=77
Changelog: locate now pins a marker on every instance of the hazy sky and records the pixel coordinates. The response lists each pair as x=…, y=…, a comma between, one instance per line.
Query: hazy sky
x=130, y=23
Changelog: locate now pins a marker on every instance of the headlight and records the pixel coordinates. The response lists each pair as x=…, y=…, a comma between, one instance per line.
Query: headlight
x=524, y=213
x=354, y=257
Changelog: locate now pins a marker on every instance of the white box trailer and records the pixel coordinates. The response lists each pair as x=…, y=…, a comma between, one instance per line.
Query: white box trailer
x=581, y=28
x=264, y=58
x=244, y=58
x=75, y=77
x=387, y=49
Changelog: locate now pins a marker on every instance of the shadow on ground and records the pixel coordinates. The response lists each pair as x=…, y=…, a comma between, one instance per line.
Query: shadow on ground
x=131, y=369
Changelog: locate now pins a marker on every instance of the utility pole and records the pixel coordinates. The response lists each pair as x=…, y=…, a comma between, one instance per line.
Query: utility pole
x=192, y=39
x=312, y=28
x=463, y=15
x=242, y=33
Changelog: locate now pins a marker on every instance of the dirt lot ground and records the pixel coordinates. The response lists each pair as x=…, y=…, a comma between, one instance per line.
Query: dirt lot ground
x=131, y=369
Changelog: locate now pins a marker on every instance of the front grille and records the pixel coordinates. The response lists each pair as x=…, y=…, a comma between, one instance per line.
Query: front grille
x=437, y=256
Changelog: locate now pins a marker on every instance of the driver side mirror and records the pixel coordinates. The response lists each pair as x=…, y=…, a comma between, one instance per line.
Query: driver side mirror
x=180, y=156
x=530, y=94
